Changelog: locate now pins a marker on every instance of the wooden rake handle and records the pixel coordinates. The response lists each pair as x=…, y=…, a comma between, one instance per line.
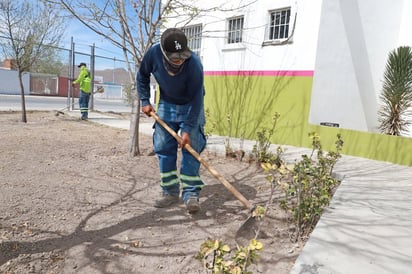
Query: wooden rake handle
x=217, y=175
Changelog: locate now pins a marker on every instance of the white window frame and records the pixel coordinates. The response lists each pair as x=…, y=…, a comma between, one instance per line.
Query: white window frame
x=235, y=27
x=280, y=26
x=194, y=37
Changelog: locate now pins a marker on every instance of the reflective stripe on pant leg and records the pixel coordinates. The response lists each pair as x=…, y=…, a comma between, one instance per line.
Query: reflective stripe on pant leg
x=165, y=147
x=169, y=179
x=191, y=183
x=189, y=172
x=84, y=103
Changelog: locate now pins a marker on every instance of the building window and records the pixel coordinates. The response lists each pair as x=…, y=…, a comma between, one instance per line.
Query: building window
x=194, y=37
x=279, y=24
x=235, y=29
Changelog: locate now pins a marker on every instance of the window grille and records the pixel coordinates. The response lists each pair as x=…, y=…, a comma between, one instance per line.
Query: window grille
x=279, y=24
x=235, y=29
x=194, y=37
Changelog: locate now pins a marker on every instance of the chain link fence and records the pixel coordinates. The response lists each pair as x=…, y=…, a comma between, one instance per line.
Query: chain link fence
x=55, y=78
x=109, y=73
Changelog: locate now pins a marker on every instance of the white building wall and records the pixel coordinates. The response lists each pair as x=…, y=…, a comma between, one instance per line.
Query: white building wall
x=345, y=42
x=405, y=35
x=355, y=38
x=9, y=80
x=217, y=55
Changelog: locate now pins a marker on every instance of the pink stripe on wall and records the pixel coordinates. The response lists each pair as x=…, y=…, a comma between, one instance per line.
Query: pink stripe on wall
x=306, y=73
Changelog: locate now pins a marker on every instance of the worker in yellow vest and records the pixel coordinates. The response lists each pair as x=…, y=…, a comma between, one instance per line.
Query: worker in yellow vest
x=85, y=81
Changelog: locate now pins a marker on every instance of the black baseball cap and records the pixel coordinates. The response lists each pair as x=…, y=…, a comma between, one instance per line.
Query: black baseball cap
x=81, y=64
x=173, y=43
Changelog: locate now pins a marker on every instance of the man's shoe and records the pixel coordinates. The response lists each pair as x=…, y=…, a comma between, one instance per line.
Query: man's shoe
x=166, y=201
x=192, y=205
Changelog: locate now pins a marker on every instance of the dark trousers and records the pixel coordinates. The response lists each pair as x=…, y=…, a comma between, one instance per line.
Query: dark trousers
x=84, y=98
x=166, y=149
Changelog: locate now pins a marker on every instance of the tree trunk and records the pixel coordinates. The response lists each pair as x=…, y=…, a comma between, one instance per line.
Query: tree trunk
x=134, y=128
x=23, y=100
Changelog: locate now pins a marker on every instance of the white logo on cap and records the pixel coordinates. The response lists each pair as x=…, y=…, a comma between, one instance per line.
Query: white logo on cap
x=178, y=46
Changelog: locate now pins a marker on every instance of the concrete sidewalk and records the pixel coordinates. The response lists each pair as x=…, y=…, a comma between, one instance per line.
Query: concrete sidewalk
x=368, y=227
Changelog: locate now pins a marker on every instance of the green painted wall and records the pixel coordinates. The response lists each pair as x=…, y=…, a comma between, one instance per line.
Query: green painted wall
x=240, y=106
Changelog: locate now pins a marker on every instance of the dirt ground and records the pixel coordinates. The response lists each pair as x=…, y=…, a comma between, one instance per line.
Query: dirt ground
x=72, y=201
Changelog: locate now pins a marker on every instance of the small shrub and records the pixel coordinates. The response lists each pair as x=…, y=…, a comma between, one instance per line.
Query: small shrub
x=308, y=185
x=217, y=257
x=261, y=150
x=209, y=126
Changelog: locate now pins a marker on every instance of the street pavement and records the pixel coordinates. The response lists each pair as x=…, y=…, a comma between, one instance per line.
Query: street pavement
x=367, y=229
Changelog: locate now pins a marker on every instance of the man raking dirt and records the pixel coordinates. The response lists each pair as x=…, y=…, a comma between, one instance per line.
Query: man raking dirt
x=179, y=73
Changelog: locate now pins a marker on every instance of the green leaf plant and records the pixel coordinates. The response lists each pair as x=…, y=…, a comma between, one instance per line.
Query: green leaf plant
x=308, y=185
x=261, y=150
x=394, y=115
x=218, y=258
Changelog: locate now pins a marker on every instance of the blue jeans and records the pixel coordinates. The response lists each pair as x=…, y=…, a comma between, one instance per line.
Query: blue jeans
x=166, y=148
x=84, y=98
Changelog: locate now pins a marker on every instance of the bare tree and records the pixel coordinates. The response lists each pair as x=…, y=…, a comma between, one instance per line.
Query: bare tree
x=130, y=26
x=134, y=27
x=27, y=30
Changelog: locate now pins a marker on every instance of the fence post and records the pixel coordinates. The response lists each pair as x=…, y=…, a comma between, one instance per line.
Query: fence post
x=70, y=94
x=92, y=70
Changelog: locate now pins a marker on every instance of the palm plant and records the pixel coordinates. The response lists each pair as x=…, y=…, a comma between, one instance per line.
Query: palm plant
x=395, y=113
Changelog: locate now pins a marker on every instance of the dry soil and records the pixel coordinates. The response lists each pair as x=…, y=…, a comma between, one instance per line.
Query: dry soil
x=72, y=201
